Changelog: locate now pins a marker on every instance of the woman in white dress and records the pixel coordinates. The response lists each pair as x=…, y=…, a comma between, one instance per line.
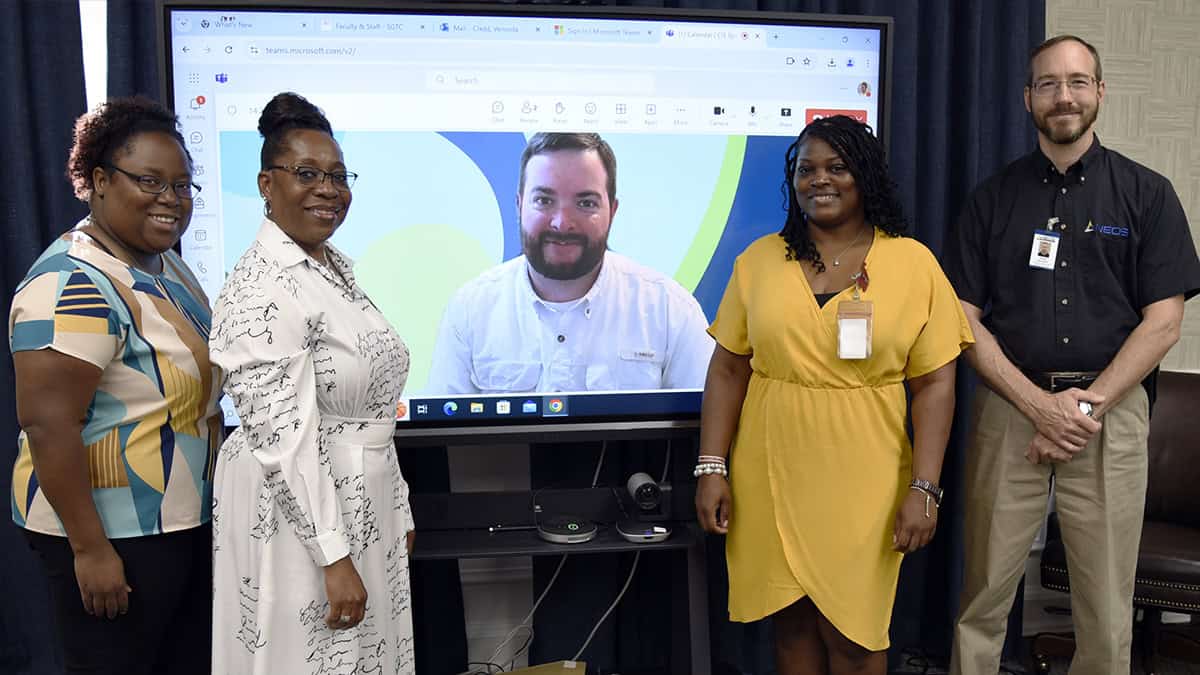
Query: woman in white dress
x=312, y=527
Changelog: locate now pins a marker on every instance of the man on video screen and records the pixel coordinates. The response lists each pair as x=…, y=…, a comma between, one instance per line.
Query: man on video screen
x=568, y=314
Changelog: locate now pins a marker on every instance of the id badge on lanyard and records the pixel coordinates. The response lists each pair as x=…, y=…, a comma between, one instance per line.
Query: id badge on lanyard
x=1044, y=250
x=855, y=321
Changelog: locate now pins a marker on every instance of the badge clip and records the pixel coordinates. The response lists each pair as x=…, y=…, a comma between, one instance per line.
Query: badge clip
x=855, y=319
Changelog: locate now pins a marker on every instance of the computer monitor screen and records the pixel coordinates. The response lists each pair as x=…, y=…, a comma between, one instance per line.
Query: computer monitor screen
x=550, y=199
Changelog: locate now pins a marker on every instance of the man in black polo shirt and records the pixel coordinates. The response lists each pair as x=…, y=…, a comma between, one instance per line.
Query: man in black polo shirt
x=1072, y=264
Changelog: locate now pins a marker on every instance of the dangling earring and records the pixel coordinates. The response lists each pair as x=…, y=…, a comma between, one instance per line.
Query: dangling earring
x=267, y=207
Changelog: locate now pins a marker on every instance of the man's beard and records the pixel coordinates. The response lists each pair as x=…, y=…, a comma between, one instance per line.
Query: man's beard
x=589, y=257
x=1061, y=136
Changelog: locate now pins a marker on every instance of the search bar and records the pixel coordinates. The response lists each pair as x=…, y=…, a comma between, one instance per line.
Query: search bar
x=532, y=81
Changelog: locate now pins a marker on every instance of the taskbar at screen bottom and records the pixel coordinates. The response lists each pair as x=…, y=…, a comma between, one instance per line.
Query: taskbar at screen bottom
x=493, y=409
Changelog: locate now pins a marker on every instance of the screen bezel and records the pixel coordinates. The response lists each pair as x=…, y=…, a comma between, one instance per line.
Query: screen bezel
x=430, y=432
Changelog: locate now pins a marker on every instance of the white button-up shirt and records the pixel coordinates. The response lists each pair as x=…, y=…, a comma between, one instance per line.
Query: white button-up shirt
x=635, y=329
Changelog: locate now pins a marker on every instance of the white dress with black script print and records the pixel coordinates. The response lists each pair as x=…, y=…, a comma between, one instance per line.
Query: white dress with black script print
x=310, y=475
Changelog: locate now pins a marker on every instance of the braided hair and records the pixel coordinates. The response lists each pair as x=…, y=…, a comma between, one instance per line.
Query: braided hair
x=863, y=153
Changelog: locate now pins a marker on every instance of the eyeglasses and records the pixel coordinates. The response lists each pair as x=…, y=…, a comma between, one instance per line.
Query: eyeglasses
x=311, y=176
x=153, y=185
x=1077, y=85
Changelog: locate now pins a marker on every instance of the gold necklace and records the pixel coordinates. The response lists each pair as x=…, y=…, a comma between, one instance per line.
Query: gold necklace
x=837, y=259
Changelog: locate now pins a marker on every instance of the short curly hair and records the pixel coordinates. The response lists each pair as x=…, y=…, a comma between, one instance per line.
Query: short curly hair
x=101, y=133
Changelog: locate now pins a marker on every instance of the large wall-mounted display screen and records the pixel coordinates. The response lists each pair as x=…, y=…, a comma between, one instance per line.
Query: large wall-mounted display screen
x=433, y=108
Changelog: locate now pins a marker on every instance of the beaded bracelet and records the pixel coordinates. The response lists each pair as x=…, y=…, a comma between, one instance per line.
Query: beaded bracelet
x=708, y=469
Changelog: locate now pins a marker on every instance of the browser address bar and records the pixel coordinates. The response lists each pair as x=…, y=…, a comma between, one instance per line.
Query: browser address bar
x=586, y=82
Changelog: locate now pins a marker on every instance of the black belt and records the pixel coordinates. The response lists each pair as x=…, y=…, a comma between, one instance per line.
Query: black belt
x=1057, y=381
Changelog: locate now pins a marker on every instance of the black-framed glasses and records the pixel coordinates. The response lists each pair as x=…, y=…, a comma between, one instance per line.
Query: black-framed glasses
x=311, y=176
x=153, y=185
x=1076, y=85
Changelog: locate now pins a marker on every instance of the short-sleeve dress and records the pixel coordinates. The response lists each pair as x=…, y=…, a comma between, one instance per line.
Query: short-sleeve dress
x=310, y=475
x=822, y=459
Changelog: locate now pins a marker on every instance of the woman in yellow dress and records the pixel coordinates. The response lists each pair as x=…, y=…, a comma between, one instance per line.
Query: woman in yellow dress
x=805, y=460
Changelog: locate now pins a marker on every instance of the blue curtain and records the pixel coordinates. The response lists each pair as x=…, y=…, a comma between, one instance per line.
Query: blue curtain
x=132, y=48
x=41, y=58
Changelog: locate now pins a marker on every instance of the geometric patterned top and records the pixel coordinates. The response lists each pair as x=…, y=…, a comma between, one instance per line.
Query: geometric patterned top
x=154, y=424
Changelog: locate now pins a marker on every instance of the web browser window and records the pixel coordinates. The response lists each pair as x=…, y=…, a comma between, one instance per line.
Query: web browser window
x=433, y=111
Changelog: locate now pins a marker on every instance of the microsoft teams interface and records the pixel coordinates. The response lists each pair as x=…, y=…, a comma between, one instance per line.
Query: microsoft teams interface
x=433, y=113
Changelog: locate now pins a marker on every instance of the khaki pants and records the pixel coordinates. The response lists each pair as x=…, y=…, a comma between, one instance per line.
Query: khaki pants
x=1100, y=495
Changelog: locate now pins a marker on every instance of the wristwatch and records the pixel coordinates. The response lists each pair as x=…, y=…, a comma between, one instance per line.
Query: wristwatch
x=929, y=489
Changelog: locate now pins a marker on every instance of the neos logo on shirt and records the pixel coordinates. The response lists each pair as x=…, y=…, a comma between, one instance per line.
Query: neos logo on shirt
x=1108, y=230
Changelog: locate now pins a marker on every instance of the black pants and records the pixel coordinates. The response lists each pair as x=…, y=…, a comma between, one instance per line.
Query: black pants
x=168, y=628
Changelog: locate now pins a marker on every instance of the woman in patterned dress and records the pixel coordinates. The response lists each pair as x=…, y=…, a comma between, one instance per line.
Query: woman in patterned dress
x=312, y=527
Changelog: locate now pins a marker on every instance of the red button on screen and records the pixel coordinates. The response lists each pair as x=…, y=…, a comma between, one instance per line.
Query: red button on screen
x=811, y=114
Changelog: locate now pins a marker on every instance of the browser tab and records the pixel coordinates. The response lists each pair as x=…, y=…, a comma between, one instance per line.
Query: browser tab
x=586, y=30
x=709, y=36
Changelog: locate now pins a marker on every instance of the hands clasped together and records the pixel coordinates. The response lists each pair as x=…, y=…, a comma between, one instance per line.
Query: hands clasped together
x=1063, y=430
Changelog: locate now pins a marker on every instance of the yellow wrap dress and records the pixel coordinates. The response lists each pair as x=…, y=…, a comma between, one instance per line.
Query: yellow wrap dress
x=821, y=460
